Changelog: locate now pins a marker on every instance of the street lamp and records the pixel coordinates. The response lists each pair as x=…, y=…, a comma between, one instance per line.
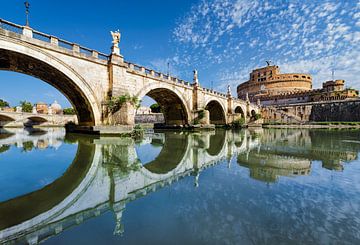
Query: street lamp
x=27, y=6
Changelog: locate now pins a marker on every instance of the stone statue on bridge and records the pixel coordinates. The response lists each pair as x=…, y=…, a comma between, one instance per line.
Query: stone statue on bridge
x=196, y=79
x=116, y=40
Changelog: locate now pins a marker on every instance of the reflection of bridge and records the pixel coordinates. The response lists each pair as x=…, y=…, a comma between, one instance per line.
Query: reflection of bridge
x=88, y=78
x=106, y=174
x=40, y=138
x=21, y=119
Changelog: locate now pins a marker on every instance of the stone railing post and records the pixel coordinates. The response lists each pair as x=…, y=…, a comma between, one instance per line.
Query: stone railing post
x=27, y=31
x=76, y=48
x=54, y=41
x=94, y=54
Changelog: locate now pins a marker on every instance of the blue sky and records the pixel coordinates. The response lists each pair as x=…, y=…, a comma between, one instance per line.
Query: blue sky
x=223, y=39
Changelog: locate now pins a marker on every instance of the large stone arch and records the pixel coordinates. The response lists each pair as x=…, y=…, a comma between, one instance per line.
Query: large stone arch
x=176, y=108
x=26, y=59
x=217, y=112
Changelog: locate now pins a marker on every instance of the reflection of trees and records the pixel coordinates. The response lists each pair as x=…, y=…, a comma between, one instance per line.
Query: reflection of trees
x=4, y=148
x=27, y=146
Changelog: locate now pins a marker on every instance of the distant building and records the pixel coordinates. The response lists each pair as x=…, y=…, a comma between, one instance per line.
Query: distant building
x=272, y=88
x=41, y=108
x=54, y=108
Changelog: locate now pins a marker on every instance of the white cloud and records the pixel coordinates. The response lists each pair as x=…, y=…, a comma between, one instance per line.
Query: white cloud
x=233, y=36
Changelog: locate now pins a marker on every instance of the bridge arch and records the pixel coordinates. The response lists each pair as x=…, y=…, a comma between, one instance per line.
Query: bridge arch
x=5, y=120
x=26, y=59
x=240, y=110
x=175, y=107
x=217, y=112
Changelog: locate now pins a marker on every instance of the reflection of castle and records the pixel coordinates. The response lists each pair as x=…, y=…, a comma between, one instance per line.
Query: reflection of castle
x=288, y=152
x=267, y=167
x=271, y=87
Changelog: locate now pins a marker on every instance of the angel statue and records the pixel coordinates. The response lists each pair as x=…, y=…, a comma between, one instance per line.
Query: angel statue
x=116, y=37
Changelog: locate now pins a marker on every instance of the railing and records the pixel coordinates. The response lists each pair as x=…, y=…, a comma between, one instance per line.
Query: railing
x=6, y=25
x=41, y=36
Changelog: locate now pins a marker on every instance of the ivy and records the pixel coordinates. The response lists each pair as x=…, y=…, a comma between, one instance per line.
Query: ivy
x=116, y=103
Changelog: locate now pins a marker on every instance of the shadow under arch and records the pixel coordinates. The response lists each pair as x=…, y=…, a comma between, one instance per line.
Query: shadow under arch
x=172, y=106
x=31, y=121
x=25, y=207
x=217, y=142
x=22, y=63
x=5, y=120
x=239, y=110
x=172, y=153
x=217, y=113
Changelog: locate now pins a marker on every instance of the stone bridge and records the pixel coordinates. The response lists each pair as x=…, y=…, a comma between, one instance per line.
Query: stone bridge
x=89, y=79
x=106, y=174
x=21, y=119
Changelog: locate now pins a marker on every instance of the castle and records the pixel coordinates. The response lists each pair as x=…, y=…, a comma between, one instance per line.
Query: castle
x=270, y=87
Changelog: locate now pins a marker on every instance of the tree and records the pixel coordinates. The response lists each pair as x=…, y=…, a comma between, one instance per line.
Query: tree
x=155, y=108
x=26, y=106
x=4, y=103
x=69, y=111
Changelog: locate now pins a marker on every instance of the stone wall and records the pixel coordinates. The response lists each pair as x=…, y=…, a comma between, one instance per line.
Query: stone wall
x=346, y=111
x=149, y=118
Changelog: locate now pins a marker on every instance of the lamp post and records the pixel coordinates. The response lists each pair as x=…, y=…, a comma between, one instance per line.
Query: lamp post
x=27, y=6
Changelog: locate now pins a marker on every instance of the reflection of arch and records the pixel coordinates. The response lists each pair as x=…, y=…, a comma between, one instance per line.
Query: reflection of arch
x=171, y=101
x=172, y=153
x=239, y=110
x=217, y=142
x=5, y=120
x=217, y=112
x=22, y=208
x=48, y=68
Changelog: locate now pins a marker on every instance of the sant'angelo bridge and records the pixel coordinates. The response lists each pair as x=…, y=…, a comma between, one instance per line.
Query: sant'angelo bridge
x=106, y=174
x=89, y=79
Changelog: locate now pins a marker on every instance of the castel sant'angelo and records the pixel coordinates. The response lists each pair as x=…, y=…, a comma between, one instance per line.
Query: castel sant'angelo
x=270, y=87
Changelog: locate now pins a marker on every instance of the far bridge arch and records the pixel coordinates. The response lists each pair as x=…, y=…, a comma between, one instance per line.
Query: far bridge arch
x=217, y=112
x=46, y=67
x=173, y=105
x=5, y=120
x=239, y=110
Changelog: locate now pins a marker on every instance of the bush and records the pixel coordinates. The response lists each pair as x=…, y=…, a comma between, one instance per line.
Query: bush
x=155, y=108
x=26, y=106
x=257, y=116
x=4, y=103
x=69, y=111
x=238, y=123
x=116, y=103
